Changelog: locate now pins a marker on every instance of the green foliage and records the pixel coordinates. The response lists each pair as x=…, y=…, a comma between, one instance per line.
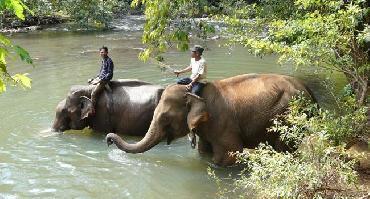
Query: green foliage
x=304, y=118
x=40, y=8
x=22, y=80
x=7, y=46
x=327, y=34
x=88, y=12
x=15, y=6
x=319, y=167
x=83, y=13
x=23, y=54
x=317, y=172
x=171, y=23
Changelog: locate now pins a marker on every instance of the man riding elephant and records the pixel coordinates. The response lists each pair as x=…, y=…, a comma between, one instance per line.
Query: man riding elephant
x=197, y=80
x=103, y=78
x=233, y=113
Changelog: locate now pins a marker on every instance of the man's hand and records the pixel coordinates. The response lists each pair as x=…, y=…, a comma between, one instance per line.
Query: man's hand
x=177, y=73
x=189, y=86
x=90, y=80
x=95, y=81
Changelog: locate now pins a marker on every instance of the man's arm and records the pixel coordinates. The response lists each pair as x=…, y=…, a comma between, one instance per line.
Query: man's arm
x=107, y=72
x=195, y=79
x=178, y=72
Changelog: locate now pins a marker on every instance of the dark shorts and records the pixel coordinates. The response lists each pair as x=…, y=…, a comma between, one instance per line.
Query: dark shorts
x=197, y=86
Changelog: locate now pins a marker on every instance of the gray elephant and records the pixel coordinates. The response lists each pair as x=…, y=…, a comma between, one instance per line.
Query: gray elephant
x=233, y=113
x=126, y=107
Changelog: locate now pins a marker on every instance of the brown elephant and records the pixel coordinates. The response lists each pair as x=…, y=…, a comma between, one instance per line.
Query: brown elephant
x=118, y=108
x=233, y=113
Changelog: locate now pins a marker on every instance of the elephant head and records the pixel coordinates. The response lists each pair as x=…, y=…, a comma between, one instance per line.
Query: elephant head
x=72, y=112
x=176, y=114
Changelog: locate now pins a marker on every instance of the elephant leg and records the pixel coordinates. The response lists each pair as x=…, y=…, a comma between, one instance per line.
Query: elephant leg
x=204, y=146
x=221, y=151
x=222, y=156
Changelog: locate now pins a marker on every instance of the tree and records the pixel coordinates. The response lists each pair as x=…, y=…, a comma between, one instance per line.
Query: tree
x=87, y=12
x=329, y=34
x=7, y=46
x=170, y=23
x=83, y=13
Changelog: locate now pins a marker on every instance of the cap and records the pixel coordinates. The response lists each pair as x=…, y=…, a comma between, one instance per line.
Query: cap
x=197, y=48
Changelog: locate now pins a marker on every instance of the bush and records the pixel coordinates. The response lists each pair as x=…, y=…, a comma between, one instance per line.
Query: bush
x=304, y=118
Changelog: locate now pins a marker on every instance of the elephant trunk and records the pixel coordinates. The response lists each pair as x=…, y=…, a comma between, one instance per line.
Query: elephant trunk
x=152, y=138
x=56, y=127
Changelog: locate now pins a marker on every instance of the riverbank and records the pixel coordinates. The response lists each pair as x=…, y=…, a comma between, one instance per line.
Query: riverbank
x=31, y=23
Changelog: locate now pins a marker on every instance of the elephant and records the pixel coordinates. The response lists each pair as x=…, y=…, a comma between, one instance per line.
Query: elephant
x=118, y=108
x=230, y=115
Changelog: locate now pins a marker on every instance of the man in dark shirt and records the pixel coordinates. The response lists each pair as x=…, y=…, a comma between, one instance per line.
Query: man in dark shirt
x=104, y=76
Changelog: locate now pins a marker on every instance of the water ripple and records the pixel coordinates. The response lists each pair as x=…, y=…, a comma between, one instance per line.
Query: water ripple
x=86, y=156
x=7, y=196
x=38, y=191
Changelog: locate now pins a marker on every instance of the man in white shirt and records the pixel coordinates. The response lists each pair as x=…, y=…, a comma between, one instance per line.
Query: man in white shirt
x=198, y=68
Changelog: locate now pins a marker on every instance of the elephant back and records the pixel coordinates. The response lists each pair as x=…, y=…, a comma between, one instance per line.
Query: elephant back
x=128, y=82
x=253, y=100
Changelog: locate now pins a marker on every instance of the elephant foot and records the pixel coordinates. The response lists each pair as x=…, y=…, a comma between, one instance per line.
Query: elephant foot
x=226, y=160
x=225, y=156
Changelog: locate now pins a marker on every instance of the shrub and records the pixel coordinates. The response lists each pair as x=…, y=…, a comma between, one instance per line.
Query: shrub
x=304, y=118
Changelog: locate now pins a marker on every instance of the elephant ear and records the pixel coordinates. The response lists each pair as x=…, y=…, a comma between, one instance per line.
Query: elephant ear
x=198, y=113
x=86, y=107
x=74, y=98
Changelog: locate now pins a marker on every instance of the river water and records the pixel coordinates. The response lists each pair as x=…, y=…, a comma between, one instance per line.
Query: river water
x=35, y=163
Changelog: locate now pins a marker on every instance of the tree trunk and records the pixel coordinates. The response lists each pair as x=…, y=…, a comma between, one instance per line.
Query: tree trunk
x=360, y=88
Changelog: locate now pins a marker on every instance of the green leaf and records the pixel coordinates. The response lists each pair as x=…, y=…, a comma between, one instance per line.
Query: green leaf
x=2, y=86
x=23, y=80
x=3, y=68
x=4, y=40
x=23, y=54
x=17, y=7
x=3, y=53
